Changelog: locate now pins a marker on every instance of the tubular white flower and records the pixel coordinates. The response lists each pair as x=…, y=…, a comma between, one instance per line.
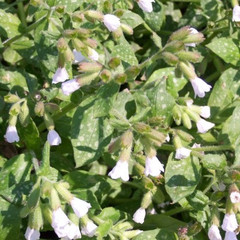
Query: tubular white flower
x=80, y=207
x=230, y=236
x=146, y=5
x=111, y=22
x=236, y=14
x=78, y=57
x=70, y=86
x=139, y=215
x=214, y=233
x=11, y=134
x=153, y=167
x=230, y=223
x=60, y=75
x=182, y=153
x=53, y=138
x=200, y=87
x=203, y=126
x=32, y=234
x=192, y=31
x=93, y=55
x=73, y=231
x=90, y=229
x=235, y=197
x=205, y=112
x=120, y=171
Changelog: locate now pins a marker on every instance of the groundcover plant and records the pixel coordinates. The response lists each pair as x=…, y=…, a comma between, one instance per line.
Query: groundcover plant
x=119, y=119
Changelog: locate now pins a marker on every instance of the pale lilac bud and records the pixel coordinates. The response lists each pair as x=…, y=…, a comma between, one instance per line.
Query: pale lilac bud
x=111, y=22
x=203, y=126
x=120, y=171
x=192, y=31
x=146, y=5
x=153, y=167
x=11, y=134
x=236, y=14
x=200, y=87
x=32, y=234
x=230, y=223
x=235, y=197
x=80, y=207
x=214, y=233
x=89, y=229
x=182, y=153
x=60, y=75
x=139, y=215
x=53, y=138
x=205, y=112
x=70, y=86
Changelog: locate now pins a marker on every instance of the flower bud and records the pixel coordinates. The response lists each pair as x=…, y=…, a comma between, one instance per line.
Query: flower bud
x=194, y=57
x=117, y=33
x=11, y=98
x=120, y=78
x=90, y=42
x=127, y=29
x=60, y=9
x=158, y=138
x=132, y=73
x=174, y=46
x=105, y=75
x=54, y=199
x=186, y=121
x=48, y=121
x=62, y=45
x=127, y=139
x=87, y=78
x=89, y=67
x=177, y=114
x=36, y=218
x=24, y=116
x=78, y=16
x=194, y=38
x=63, y=191
x=34, y=196
x=188, y=70
x=92, y=15
x=39, y=109
x=180, y=34
x=79, y=45
x=184, y=135
x=170, y=58
x=114, y=62
x=15, y=109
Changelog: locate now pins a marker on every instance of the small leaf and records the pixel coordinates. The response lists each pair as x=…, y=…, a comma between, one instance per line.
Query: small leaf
x=214, y=161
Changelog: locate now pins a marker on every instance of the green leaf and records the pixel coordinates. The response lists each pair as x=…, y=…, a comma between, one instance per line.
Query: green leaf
x=182, y=177
x=10, y=25
x=214, y=161
x=198, y=200
x=226, y=48
x=10, y=220
x=89, y=134
x=132, y=19
x=104, y=228
x=15, y=177
x=11, y=56
x=110, y=213
x=125, y=52
x=157, y=234
x=69, y=5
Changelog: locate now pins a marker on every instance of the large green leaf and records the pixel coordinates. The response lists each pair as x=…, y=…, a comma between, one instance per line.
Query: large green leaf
x=182, y=177
x=132, y=19
x=214, y=161
x=157, y=234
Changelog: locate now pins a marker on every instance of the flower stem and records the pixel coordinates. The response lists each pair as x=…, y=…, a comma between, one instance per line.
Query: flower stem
x=22, y=14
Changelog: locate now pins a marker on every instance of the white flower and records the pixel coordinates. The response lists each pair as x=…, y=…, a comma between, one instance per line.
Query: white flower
x=90, y=229
x=80, y=207
x=78, y=57
x=73, y=231
x=153, y=167
x=60, y=75
x=229, y=222
x=203, y=126
x=214, y=233
x=11, y=134
x=93, y=55
x=146, y=5
x=70, y=86
x=236, y=14
x=111, y=22
x=200, y=87
x=53, y=138
x=230, y=236
x=120, y=171
x=205, y=112
x=139, y=215
x=182, y=153
x=192, y=31
x=60, y=223
x=235, y=197
x=219, y=187
x=32, y=234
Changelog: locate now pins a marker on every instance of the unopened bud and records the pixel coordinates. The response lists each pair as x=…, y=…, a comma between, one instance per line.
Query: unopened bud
x=188, y=70
x=177, y=114
x=138, y=168
x=234, y=175
x=60, y=9
x=132, y=73
x=114, y=62
x=189, y=56
x=15, y=109
x=39, y=109
x=117, y=34
x=90, y=42
x=34, y=197
x=174, y=46
x=107, y=6
x=127, y=29
x=24, y=115
x=11, y=98
x=123, y=226
x=54, y=199
x=127, y=139
x=87, y=78
x=79, y=45
x=115, y=145
x=184, y=135
x=48, y=121
x=62, y=45
x=120, y=78
x=186, y=121
x=131, y=234
x=51, y=107
x=66, y=195
x=180, y=34
x=193, y=115
x=170, y=58
x=147, y=200
x=125, y=154
x=36, y=219
x=89, y=67
x=47, y=213
x=105, y=75
x=148, y=184
x=177, y=142
x=78, y=16
x=36, y=3
x=92, y=15
x=157, y=137
x=194, y=38
x=82, y=32
x=68, y=55
x=142, y=127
